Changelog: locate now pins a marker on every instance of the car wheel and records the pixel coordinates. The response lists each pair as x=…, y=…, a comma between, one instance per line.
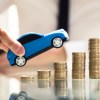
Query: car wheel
x=23, y=93
x=20, y=61
x=57, y=42
x=21, y=98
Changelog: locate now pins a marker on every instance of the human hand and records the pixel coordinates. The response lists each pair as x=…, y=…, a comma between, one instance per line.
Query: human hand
x=6, y=43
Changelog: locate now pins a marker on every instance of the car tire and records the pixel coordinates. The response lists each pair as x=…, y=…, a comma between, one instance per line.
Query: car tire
x=23, y=93
x=20, y=61
x=57, y=42
x=21, y=98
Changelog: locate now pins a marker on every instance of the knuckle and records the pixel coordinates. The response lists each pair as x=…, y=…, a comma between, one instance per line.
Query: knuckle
x=13, y=47
x=2, y=34
x=10, y=44
x=0, y=43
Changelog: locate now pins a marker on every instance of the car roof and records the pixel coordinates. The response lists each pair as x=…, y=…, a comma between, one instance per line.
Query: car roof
x=29, y=37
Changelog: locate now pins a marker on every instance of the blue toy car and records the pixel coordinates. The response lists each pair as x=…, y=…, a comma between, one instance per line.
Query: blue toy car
x=35, y=44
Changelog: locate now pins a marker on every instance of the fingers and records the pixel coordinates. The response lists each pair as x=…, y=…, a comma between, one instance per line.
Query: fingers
x=9, y=43
x=3, y=47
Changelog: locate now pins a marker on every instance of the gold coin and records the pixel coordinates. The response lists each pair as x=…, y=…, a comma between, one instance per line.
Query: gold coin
x=60, y=65
x=27, y=78
x=79, y=74
x=96, y=55
x=44, y=74
x=94, y=49
x=78, y=64
x=94, y=76
x=94, y=40
x=95, y=45
x=75, y=74
x=94, y=68
x=78, y=57
x=78, y=70
x=94, y=71
x=93, y=60
x=78, y=61
x=78, y=77
x=78, y=67
x=78, y=53
x=60, y=74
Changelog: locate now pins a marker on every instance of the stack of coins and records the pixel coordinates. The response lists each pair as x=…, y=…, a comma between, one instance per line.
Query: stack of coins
x=44, y=74
x=78, y=65
x=94, y=58
x=61, y=88
x=27, y=78
x=60, y=70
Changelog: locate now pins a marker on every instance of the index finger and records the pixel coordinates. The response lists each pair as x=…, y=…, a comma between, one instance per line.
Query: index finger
x=14, y=45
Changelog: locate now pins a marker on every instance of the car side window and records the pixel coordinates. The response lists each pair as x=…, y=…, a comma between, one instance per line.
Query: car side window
x=29, y=38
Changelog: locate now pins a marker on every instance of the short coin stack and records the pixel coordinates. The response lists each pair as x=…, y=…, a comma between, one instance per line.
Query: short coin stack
x=45, y=74
x=94, y=58
x=78, y=65
x=60, y=70
x=27, y=78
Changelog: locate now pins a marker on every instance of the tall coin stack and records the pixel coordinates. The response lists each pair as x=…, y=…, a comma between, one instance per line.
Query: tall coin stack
x=60, y=70
x=94, y=58
x=78, y=65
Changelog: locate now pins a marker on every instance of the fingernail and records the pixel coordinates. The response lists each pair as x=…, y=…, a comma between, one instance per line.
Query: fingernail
x=21, y=51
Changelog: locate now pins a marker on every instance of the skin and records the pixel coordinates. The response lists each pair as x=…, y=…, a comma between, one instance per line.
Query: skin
x=7, y=43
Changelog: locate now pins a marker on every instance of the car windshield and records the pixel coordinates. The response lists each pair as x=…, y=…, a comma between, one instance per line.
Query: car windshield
x=29, y=37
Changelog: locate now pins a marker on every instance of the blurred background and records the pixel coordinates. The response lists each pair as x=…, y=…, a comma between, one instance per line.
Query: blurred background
x=80, y=18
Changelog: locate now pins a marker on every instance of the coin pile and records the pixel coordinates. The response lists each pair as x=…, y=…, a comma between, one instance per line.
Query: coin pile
x=61, y=88
x=45, y=74
x=60, y=70
x=94, y=58
x=78, y=65
x=27, y=78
